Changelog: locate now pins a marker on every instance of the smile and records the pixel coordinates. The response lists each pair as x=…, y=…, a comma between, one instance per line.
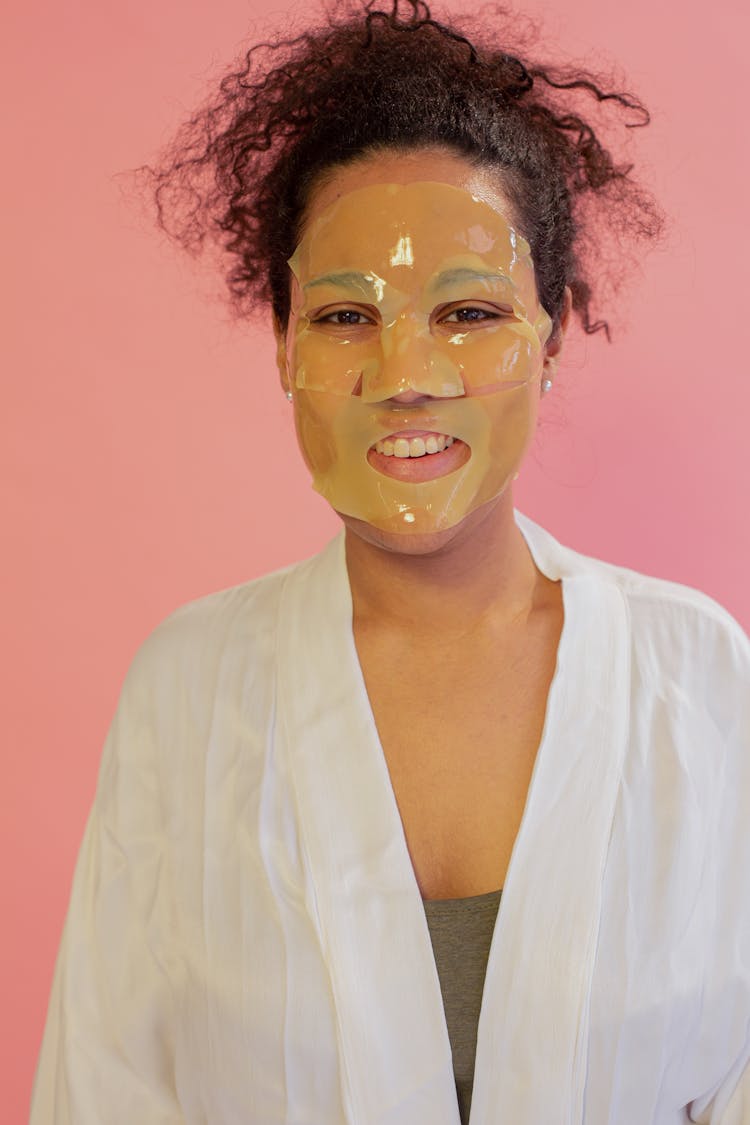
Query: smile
x=419, y=445
x=418, y=456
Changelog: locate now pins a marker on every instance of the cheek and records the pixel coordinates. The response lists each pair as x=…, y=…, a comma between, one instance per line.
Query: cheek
x=333, y=365
x=510, y=354
x=315, y=417
x=513, y=418
x=512, y=424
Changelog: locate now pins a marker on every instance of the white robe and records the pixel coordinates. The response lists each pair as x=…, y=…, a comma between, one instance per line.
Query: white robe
x=246, y=942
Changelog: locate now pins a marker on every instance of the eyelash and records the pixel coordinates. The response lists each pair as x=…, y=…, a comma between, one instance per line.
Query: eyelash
x=327, y=319
x=486, y=314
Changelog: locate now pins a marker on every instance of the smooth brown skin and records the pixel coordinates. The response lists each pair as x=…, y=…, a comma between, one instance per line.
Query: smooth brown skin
x=457, y=635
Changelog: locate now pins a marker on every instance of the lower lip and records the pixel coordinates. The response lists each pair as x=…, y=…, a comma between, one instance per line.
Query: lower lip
x=430, y=466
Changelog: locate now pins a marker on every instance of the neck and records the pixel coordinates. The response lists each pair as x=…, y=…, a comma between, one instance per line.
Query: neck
x=485, y=573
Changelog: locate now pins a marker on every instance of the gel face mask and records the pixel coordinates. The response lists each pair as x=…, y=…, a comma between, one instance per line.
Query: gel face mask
x=414, y=352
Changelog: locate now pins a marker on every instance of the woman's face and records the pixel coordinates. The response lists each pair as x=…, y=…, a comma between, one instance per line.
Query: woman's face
x=415, y=346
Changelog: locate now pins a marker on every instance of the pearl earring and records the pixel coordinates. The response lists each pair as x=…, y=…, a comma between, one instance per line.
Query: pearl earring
x=546, y=386
x=289, y=396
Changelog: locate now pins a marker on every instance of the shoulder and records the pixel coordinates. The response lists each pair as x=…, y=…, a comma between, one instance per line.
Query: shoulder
x=202, y=678
x=688, y=701
x=204, y=639
x=685, y=646
x=689, y=670
x=665, y=617
x=678, y=623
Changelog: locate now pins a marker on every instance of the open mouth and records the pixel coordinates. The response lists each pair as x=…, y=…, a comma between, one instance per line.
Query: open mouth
x=397, y=445
x=418, y=455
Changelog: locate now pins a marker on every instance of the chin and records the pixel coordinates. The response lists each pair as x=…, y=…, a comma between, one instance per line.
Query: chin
x=422, y=542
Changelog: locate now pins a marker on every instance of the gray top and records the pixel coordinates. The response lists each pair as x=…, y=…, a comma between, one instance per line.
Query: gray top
x=461, y=931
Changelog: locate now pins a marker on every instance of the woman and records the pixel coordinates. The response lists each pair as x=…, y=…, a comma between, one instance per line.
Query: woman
x=447, y=823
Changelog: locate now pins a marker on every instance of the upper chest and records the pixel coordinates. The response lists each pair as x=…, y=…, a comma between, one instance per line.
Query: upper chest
x=460, y=725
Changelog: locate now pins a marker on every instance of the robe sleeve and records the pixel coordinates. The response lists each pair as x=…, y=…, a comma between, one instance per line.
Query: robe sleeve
x=728, y=673
x=107, y=1048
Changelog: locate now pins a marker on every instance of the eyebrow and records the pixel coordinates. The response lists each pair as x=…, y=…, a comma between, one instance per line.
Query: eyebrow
x=346, y=277
x=449, y=277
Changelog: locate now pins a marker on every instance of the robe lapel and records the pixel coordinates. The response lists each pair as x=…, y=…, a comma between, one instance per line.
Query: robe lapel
x=532, y=1037
x=533, y=1028
x=393, y=1041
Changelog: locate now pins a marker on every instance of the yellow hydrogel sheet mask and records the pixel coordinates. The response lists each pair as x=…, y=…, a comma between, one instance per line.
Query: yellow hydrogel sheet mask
x=420, y=288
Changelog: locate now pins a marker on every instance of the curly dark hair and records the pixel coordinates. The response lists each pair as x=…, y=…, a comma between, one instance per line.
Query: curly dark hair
x=241, y=170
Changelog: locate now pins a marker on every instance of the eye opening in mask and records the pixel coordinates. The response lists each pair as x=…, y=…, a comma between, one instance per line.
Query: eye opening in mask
x=491, y=313
x=323, y=316
x=370, y=317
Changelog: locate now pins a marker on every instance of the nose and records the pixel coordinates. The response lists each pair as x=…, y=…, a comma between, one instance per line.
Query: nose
x=411, y=366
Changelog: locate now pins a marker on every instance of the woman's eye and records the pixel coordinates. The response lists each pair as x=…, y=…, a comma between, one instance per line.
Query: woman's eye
x=469, y=315
x=344, y=316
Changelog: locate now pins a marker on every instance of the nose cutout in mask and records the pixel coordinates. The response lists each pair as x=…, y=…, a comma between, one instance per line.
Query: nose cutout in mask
x=425, y=288
x=399, y=358
x=409, y=361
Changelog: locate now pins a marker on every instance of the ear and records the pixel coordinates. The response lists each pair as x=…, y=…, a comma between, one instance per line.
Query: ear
x=554, y=345
x=281, y=356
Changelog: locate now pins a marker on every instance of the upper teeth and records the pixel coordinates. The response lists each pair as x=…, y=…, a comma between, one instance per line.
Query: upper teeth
x=413, y=447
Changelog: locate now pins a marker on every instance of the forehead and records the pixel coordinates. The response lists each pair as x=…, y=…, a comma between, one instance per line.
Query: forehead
x=389, y=228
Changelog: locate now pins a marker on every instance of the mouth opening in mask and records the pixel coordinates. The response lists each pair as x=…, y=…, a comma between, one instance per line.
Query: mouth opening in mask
x=418, y=455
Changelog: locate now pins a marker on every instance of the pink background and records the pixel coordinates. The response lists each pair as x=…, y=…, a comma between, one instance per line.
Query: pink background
x=149, y=453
